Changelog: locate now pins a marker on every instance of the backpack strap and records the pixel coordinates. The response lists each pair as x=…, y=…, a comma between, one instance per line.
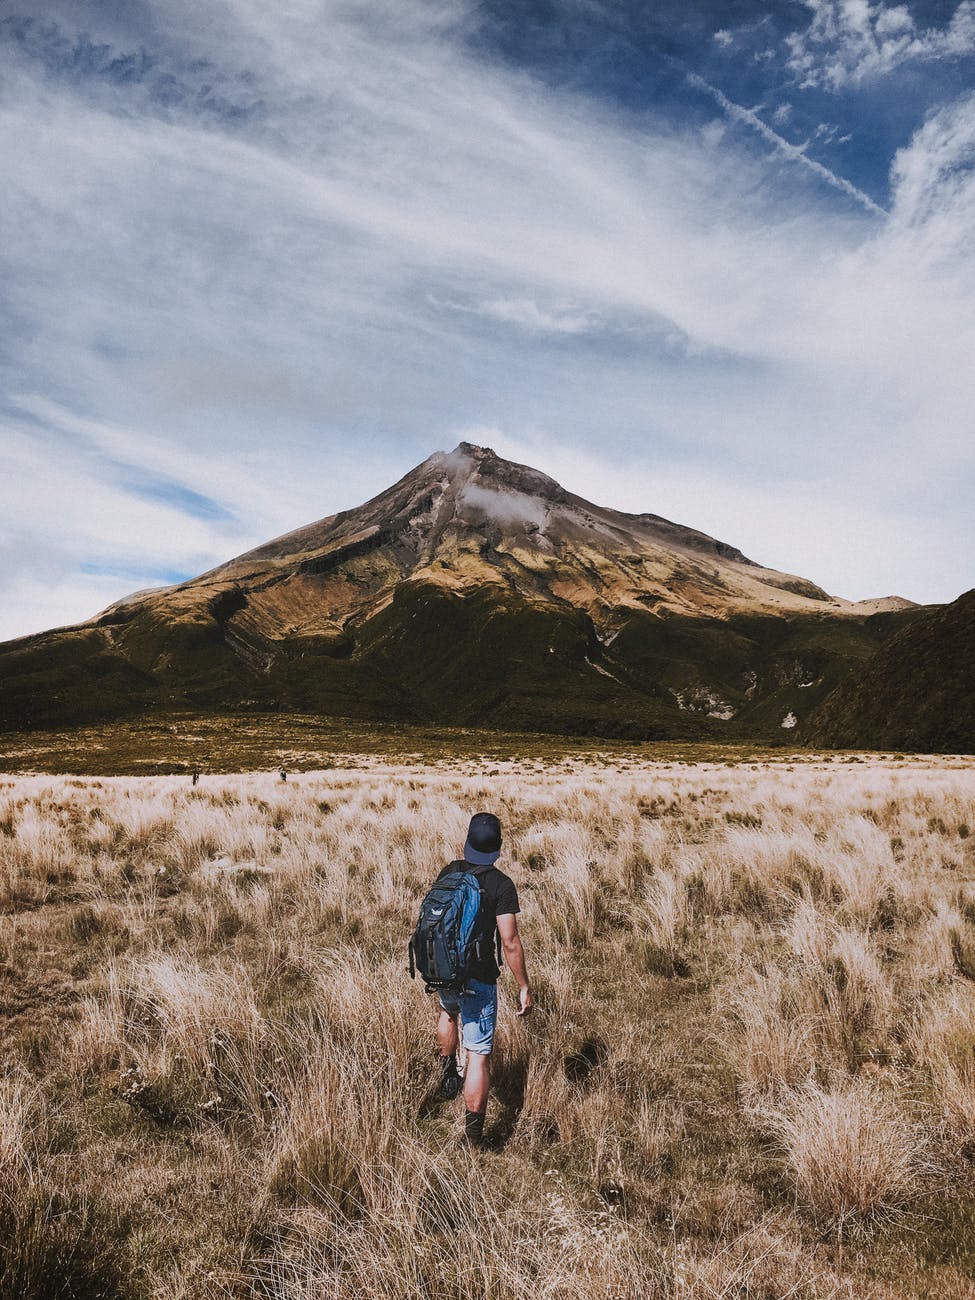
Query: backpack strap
x=476, y=871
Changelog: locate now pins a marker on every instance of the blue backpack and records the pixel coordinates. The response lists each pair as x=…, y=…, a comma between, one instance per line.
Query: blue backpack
x=449, y=937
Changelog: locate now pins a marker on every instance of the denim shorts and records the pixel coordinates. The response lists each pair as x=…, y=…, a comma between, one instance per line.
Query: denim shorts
x=477, y=1005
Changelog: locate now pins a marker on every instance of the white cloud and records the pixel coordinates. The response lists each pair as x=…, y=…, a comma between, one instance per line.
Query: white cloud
x=93, y=512
x=504, y=507
x=934, y=177
x=852, y=41
x=528, y=315
x=93, y=507
x=240, y=485
x=32, y=603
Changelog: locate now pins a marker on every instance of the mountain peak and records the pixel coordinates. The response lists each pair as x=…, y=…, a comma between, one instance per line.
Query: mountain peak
x=485, y=472
x=467, y=454
x=471, y=583
x=468, y=519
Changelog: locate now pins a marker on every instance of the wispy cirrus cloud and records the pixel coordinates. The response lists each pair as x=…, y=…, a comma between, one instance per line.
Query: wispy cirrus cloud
x=795, y=153
x=527, y=314
x=94, y=510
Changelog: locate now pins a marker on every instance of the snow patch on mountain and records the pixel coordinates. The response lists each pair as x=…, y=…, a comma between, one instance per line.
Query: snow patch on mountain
x=600, y=669
x=698, y=699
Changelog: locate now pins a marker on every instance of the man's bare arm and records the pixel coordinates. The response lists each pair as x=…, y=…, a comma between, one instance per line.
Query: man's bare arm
x=514, y=955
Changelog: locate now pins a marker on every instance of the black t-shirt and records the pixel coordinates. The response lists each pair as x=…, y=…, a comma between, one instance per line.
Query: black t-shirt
x=499, y=897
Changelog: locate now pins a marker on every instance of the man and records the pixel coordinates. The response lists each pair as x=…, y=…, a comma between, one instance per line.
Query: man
x=476, y=1005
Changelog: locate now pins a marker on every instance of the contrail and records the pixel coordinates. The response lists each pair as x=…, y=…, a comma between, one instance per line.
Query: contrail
x=793, y=151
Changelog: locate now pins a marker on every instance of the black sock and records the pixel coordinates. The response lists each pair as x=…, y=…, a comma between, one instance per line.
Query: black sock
x=474, y=1127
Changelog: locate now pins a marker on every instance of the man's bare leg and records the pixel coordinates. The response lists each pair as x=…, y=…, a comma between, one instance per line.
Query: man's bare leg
x=477, y=1085
x=447, y=1038
x=447, y=1033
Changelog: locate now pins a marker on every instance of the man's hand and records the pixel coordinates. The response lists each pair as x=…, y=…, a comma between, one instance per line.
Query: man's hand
x=527, y=1002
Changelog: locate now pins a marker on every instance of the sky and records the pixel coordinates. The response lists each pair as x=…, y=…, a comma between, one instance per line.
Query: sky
x=712, y=261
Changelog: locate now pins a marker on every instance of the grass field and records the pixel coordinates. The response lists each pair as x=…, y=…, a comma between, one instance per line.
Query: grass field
x=751, y=1071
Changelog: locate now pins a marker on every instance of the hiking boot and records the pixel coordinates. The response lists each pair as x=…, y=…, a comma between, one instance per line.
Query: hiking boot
x=450, y=1080
x=474, y=1128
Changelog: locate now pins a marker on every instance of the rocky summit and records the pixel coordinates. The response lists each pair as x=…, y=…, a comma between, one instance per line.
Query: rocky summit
x=476, y=592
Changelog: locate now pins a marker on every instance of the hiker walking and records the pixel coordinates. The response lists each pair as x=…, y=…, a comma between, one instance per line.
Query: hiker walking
x=468, y=921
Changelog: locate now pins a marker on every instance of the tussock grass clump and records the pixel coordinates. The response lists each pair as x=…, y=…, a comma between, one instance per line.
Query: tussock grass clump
x=850, y=1148
x=22, y=1113
x=53, y=1241
x=771, y=1041
x=755, y=1028
x=941, y=1043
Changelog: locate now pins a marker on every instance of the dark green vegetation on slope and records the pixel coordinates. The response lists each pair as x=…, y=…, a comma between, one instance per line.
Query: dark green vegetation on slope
x=917, y=692
x=489, y=658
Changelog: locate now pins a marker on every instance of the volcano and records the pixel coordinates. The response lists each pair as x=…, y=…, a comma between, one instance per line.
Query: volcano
x=476, y=592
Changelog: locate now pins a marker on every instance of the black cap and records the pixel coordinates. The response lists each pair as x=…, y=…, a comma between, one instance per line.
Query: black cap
x=483, y=847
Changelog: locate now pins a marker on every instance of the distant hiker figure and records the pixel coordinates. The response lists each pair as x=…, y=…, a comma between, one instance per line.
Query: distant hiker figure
x=284, y=775
x=467, y=921
x=196, y=778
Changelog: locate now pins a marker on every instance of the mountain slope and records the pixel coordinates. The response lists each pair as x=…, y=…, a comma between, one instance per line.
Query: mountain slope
x=478, y=591
x=917, y=692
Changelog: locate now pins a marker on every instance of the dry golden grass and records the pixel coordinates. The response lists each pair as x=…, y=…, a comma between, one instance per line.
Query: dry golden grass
x=751, y=1071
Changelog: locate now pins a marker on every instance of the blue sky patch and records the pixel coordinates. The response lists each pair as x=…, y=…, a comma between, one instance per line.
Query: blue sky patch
x=135, y=574
x=181, y=498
